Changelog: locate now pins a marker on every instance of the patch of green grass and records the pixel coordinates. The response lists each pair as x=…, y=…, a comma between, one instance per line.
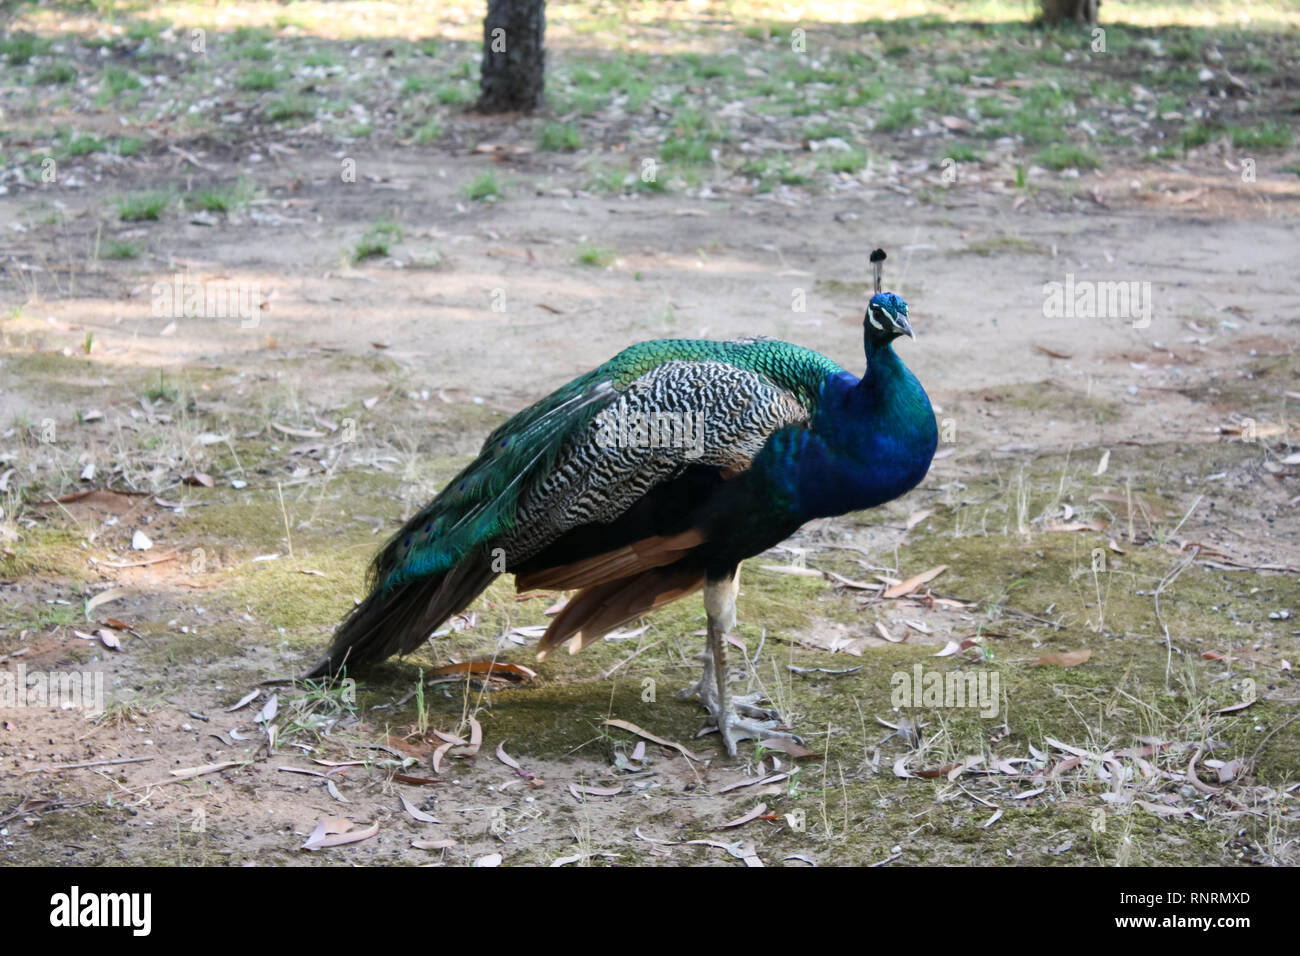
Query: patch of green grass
x=82, y=145
x=1003, y=244
x=117, y=81
x=19, y=48
x=118, y=249
x=223, y=198
x=127, y=145
x=945, y=100
x=709, y=67
x=655, y=185
x=604, y=179
x=898, y=114
x=826, y=130
x=691, y=138
x=1263, y=136
x=595, y=256
x=452, y=94
x=377, y=241
x=414, y=85
x=955, y=75
x=56, y=74
x=689, y=149
x=770, y=172
x=142, y=207
x=559, y=138
x=1196, y=134
x=1067, y=156
x=140, y=30
x=843, y=160
x=289, y=108
x=162, y=392
x=257, y=80
x=430, y=132
x=254, y=52
x=320, y=58
x=483, y=187
x=246, y=35
x=963, y=153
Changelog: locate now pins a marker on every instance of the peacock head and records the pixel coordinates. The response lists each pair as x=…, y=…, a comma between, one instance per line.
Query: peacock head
x=886, y=319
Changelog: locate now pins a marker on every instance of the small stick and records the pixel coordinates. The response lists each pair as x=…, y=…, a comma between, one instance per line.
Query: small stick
x=287, y=537
x=90, y=763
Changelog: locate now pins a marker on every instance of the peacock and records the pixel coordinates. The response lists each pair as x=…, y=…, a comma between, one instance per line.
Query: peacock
x=649, y=478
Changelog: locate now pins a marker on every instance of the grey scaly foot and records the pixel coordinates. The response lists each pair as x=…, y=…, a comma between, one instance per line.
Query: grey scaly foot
x=747, y=706
x=706, y=688
x=744, y=720
x=741, y=718
x=736, y=728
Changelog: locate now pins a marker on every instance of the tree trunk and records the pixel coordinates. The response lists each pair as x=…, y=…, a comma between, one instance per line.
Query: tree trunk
x=513, y=72
x=1063, y=11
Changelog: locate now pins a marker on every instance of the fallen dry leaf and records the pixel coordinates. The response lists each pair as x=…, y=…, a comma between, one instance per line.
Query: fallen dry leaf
x=912, y=583
x=1075, y=526
x=1052, y=352
x=634, y=729
x=1233, y=707
x=578, y=792
x=506, y=759
x=786, y=746
x=917, y=518
x=488, y=669
x=337, y=831
x=433, y=844
x=749, y=817
x=104, y=597
x=771, y=778
x=1067, y=659
x=931, y=772
x=207, y=768
x=415, y=812
x=1027, y=794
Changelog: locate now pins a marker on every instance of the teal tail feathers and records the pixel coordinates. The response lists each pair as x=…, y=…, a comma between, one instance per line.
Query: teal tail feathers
x=443, y=558
x=398, y=619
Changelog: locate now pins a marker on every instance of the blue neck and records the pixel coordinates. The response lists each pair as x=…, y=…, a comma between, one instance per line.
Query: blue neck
x=871, y=440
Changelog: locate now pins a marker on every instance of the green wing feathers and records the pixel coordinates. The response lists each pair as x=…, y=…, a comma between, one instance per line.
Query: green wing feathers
x=481, y=503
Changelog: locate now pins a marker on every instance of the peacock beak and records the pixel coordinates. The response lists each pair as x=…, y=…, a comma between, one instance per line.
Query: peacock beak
x=902, y=327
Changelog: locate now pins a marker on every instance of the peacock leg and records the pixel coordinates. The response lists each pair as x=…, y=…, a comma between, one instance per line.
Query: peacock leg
x=741, y=718
x=706, y=688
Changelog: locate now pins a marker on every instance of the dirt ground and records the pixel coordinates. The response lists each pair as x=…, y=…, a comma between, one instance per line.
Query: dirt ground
x=357, y=387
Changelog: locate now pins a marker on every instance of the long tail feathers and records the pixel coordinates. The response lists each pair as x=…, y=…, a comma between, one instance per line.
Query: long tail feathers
x=398, y=621
x=595, y=611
